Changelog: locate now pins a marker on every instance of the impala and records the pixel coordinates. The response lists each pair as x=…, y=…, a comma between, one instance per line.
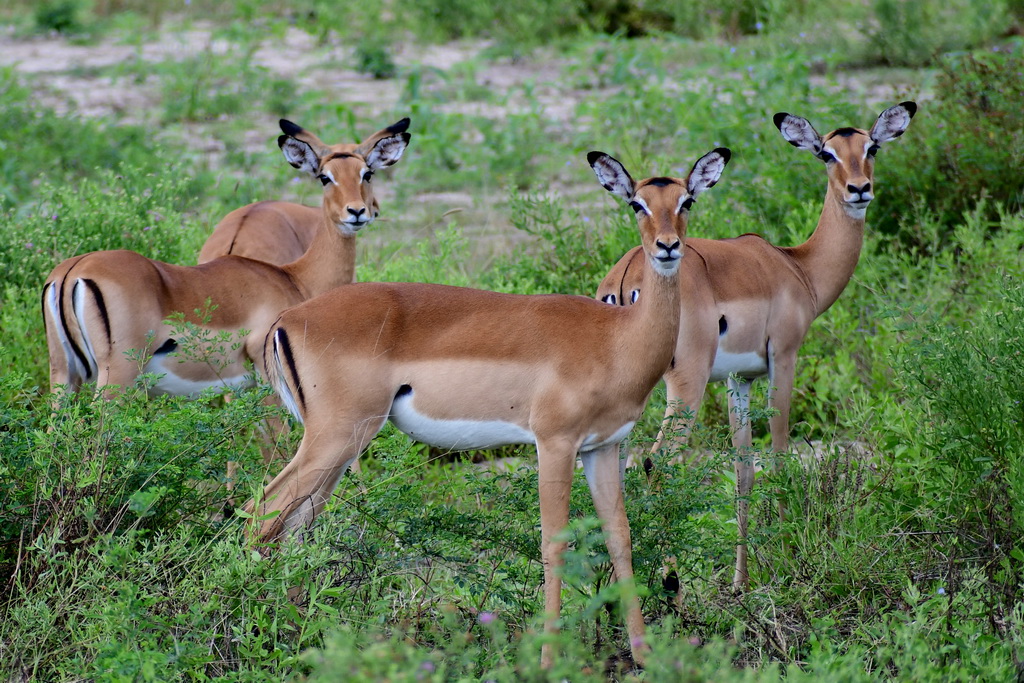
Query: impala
x=274, y=231
x=100, y=306
x=747, y=304
x=465, y=369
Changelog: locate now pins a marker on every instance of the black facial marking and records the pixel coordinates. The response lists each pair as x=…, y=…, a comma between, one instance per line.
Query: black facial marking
x=286, y=351
x=167, y=347
x=403, y=390
x=399, y=127
x=290, y=128
x=100, y=305
x=661, y=182
x=722, y=326
x=337, y=155
x=843, y=132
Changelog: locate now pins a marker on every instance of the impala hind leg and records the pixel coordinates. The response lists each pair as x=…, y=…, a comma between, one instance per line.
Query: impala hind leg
x=302, y=489
x=556, y=460
x=603, y=476
x=739, y=420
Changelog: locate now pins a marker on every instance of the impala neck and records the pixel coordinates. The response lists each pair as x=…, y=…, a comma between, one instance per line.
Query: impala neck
x=329, y=262
x=653, y=327
x=830, y=256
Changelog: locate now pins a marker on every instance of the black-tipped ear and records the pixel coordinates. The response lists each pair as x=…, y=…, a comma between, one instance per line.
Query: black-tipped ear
x=289, y=128
x=612, y=175
x=910, y=106
x=399, y=127
x=707, y=171
x=779, y=118
x=725, y=153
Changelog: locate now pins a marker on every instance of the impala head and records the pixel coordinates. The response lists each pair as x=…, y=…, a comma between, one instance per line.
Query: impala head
x=662, y=205
x=848, y=153
x=345, y=170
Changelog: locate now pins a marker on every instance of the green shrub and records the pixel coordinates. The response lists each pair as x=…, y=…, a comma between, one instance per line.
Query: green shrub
x=961, y=149
x=915, y=32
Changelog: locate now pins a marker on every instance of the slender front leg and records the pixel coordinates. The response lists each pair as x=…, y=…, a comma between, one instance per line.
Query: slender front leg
x=556, y=459
x=780, y=396
x=684, y=391
x=602, y=470
x=739, y=420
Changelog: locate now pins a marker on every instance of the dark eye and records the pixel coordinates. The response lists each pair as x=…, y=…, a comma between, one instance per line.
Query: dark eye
x=687, y=203
x=636, y=206
x=872, y=150
x=826, y=157
x=367, y=176
x=323, y=179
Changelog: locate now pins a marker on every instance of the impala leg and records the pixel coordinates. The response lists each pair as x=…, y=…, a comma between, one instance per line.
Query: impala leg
x=780, y=395
x=302, y=489
x=739, y=420
x=602, y=470
x=556, y=459
x=684, y=391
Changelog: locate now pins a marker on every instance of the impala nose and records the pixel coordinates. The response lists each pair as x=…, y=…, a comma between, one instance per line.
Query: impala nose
x=862, y=193
x=357, y=213
x=668, y=248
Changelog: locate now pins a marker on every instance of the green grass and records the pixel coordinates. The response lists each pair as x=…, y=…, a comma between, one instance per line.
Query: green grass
x=900, y=557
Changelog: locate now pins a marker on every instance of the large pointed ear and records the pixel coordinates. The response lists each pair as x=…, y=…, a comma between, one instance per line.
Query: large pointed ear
x=387, y=151
x=798, y=131
x=612, y=175
x=301, y=148
x=364, y=148
x=707, y=171
x=893, y=122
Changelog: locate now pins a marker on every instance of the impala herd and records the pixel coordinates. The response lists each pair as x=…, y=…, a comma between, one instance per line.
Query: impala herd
x=468, y=369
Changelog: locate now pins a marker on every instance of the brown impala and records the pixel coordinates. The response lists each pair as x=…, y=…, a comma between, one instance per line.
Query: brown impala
x=747, y=304
x=465, y=369
x=99, y=306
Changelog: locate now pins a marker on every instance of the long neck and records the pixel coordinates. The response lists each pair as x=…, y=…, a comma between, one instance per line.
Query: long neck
x=650, y=334
x=830, y=256
x=329, y=262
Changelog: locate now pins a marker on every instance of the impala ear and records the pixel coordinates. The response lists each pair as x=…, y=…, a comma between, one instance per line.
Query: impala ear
x=365, y=147
x=612, y=175
x=893, y=122
x=301, y=148
x=798, y=132
x=707, y=171
x=387, y=150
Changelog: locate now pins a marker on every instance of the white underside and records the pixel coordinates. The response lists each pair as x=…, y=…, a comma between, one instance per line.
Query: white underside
x=748, y=365
x=456, y=435
x=171, y=384
x=461, y=435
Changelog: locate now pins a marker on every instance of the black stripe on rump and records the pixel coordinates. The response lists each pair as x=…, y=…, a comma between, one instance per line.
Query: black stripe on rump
x=94, y=288
x=286, y=350
x=63, y=322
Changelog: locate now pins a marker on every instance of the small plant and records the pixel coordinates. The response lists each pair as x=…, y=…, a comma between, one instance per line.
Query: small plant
x=373, y=58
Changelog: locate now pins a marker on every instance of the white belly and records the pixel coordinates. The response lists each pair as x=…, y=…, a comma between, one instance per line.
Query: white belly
x=169, y=383
x=748, y=365
x=594, y=442
x=456, y=435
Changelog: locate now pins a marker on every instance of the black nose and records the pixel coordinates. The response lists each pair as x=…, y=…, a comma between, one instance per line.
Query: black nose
x=356, y=212
x=667, y=247
x=866, y=187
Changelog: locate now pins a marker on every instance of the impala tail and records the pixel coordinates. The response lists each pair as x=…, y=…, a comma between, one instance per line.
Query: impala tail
x=67, y=323
x=282, y=372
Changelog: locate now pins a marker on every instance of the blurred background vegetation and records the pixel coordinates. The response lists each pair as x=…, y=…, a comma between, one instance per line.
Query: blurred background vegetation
x=901, y=558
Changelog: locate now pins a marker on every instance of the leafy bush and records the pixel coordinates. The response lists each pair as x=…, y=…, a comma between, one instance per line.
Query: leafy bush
x=963, y=145
x=915, y=32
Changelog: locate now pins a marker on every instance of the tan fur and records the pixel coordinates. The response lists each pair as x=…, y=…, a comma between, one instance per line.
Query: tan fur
x=139, y=294
x=552, y=365
x=769, y=296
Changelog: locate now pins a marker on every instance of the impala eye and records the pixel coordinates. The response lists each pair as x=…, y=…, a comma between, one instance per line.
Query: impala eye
x=872, y=150
x=324, y=179
x=826, y=157
x=636, y=206
x=686, y=204
x=367, y=176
